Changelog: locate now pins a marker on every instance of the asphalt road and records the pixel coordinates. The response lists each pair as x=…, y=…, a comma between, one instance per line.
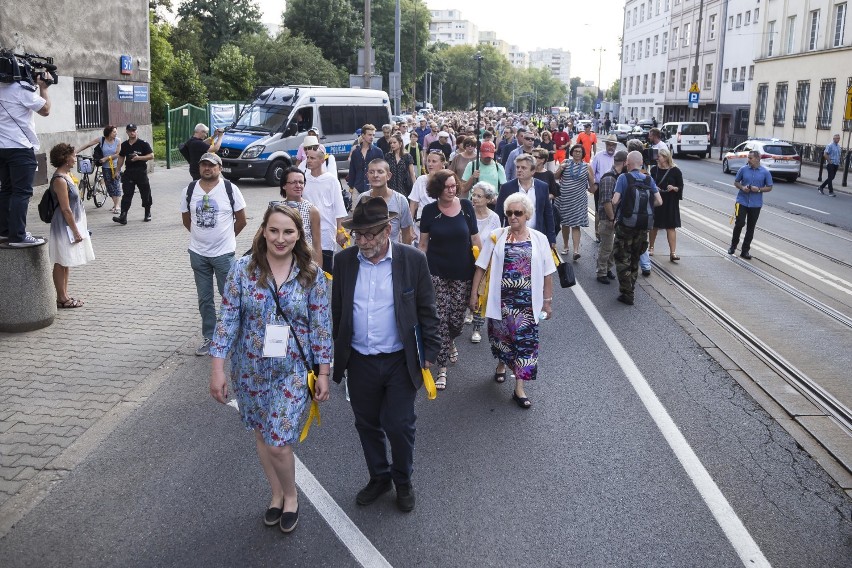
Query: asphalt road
x=585, y=478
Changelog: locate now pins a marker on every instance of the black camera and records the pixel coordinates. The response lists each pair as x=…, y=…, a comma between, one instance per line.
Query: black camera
x=26, y=69
x=649, y=156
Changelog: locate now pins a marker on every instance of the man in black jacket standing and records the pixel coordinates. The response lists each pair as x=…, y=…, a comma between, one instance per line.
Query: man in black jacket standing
x=135, y=153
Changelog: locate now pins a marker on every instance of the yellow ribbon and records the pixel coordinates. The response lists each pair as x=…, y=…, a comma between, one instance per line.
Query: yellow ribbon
x=314, y=413
x=475, y=250
x=111, y=167
x=429, y=383
x=735, y=215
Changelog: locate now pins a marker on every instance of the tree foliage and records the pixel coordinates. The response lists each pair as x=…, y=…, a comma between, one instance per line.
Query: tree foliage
x=614, y=91
x=162, y=61
x=188, y=36
x=332, y=25
x=232, y=75
x=288, y=59
x=460, y=86
x=575, y=82
x=184, y=82
x=222, y=21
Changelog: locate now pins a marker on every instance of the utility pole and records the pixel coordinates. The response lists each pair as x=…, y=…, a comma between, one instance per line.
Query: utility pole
x=397, y=65
x=478, y=58
x=698, y=51
x=414, y=74
x=600, y=51
x=368, y=46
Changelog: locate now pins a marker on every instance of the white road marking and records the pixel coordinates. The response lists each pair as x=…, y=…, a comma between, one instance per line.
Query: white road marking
x=739, y=537
x=810, y=208
x=723, y=183
x=349, y=534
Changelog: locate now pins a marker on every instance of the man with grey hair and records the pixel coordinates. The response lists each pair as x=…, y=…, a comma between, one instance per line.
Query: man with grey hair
x=526, y=143
x=752, y=182
x=633, y=219
x=542, y=215
x=384, y=141
x=200, y=144
x=832, y=162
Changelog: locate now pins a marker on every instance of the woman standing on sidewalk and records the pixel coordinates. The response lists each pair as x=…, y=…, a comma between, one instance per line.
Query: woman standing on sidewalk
x=275, y=325
x=110, y=144
x=669, y=179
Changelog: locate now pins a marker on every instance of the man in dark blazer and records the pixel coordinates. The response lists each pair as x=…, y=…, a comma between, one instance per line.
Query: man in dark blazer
x=543, y=217
x=380, y=291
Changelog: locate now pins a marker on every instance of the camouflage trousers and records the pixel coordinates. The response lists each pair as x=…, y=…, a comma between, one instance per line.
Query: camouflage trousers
x=629, y=246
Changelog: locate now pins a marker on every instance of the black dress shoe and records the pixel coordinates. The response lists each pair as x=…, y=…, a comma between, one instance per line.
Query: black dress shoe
x=288, y=521
x=746, y=256
x=375, y=489
x=603, y=279
x=272, y=516
x=610, y=275
x=732, y=250
x=121, y=219
x=147, y=216
x=625, y=300
x=405, y=497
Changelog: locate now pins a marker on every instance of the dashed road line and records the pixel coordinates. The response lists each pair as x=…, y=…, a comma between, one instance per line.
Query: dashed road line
x=809, y=208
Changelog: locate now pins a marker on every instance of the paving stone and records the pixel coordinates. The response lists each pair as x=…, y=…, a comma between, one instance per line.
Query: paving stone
x=33, y=461
x=10, y=487
x=27, y=473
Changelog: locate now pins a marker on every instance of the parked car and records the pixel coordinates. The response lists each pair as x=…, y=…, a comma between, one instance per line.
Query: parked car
x=622, y=132
x=638, y=133
x=580, y=125
x=779, y=157
x=687, y=138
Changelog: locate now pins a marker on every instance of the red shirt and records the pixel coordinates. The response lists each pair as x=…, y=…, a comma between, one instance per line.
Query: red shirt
x=587, y=141
x=560, y=138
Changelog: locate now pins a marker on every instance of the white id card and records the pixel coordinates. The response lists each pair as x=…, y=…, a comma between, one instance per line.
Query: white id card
x=275, y=340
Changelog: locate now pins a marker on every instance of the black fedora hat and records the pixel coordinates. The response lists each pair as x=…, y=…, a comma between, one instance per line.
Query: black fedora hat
x=370, y=212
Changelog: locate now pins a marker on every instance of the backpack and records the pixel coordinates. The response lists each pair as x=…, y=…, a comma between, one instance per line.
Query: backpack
x=636, y=210
x=98, y=153
x=49, y=203
x=191, y=189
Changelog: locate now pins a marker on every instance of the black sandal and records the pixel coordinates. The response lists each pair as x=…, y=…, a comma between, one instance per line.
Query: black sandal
x=521, y=401
x=500, y=377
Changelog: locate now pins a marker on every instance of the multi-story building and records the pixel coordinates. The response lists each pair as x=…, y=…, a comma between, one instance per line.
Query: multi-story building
x=557, y=61
x=741, y=38
x=103, y=78
x=491, y=39
x=644, y=59
x=802, y=73
x=518, y=58
x=449, y=27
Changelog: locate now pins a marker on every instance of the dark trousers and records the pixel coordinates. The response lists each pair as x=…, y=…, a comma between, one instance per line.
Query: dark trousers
x=832, y=171
x=17, y=169
x=745, y=216
x=327, y=260
x=382, y=397
x=129, y=180
x=629, y=245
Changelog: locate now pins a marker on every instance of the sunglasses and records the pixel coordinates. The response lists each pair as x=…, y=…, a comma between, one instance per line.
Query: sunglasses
x=515, y=213
x=529, y=138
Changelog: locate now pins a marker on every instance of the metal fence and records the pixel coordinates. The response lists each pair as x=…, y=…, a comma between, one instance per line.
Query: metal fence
x=181, y=121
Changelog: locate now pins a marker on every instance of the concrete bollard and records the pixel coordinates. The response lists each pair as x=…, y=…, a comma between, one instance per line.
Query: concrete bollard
x=27, y=295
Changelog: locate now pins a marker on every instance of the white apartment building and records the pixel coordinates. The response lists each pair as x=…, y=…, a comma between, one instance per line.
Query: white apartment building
x=518, y=58
x=449, y=27
x=741, y=39
x=644, y=59
x=490, y=38
x=803, y=71
x=557, y=61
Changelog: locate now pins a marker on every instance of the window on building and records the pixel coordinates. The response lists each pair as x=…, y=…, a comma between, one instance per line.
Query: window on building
x=685, y=35
x=632, y=52
x=770, y=39
x=671, y=81
x=656, y=44
x=645, y=84
x=90, y=103
x=631, y=86
x=734, y=74
x=826, y=103
x=742, y=73
x=662, y=88
x=665, y=42
x=739, y=20
x=813, y=34
x=780, y=104
x=653, y=81
x=639, y=54
x=750, y=72
x=623, y=88
x=762, y=96
x=642, y=14
x=756, y=11
x=730, y=22
x=667, y=5
x=634, y=15
x=791, y=31
x=651, y=8
x=711, y=27
x=627, y=20
x=747, y=17
x=839, y=24
x=800, y=113
x=657, y=11
x=647, y=47
x=725, y=75
x=683, y=78
x=675, y=35
x=708, y=76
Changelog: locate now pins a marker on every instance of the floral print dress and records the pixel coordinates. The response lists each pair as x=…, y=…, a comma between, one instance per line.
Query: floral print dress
x=272, y=393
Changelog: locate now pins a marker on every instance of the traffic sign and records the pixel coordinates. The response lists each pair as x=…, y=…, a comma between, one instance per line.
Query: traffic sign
x=848, y=114
x=694, y=88
x=693, y=99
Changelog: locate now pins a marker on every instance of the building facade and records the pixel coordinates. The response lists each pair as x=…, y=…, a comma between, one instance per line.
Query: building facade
x=741, y=39
x=557, y=61
x=490, y=38
x=103, y=77
x=448, y=26
x=518, y=58
x=803, y=71
x=644, y=59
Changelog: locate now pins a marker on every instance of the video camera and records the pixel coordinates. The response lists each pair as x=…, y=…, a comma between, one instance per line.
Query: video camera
x=26, y=69
x=649, y=156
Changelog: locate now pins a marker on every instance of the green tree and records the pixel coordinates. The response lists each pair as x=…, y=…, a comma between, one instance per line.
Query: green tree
x=331, y=25
x=222, y=21
x=575, y=82
x=460, y=88
x=289, y=59
x=614, y=92
x=188, y=36
x=232, y=75
x=159, y=9
x=162, y=61
x=184, y=82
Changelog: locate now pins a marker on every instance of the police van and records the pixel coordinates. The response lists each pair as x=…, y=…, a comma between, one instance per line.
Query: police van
x=265, y=138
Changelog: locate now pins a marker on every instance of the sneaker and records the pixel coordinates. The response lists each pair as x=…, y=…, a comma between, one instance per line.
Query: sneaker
x=821, y=191
x=625, y=300
x=29, y=241
x=475, y=337
x=3, y=239
x=646, y=273
x=603, y=279
x=832, y=194
x=373, y=490
x=610, y=275
x=204, y=348
x=468, y=319
x=405, y=497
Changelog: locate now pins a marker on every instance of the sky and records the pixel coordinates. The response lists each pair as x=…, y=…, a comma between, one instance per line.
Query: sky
x=552, y=26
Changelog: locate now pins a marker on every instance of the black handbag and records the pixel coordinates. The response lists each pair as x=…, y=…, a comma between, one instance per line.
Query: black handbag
x=566, y=274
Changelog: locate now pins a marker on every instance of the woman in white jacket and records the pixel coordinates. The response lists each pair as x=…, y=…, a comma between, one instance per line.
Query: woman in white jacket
x=520, y=291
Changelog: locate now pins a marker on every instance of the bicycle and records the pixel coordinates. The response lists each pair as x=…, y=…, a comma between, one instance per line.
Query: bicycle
x=96, y=191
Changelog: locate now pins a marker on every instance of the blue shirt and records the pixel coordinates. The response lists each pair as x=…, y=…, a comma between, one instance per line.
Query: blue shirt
x=757, y=177
x=621, y=184
x=833, y=152
x=358, y=167
x=374, y=329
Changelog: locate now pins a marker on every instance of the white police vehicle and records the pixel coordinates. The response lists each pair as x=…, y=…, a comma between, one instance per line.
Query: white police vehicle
x=265, y=138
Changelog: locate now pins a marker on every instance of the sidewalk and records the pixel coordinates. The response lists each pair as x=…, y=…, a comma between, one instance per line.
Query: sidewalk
x=140, y=320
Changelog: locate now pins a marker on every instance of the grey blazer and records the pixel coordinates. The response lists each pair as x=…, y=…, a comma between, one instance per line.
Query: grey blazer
x=414, y=300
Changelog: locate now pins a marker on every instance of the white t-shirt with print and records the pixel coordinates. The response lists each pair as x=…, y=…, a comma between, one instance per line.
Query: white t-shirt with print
x=211, y=230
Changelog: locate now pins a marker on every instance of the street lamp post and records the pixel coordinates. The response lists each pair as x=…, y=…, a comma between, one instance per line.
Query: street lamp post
x=600, y=51
x=478, y=58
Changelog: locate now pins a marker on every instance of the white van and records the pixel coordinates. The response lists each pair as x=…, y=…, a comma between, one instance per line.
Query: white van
x=687, y=138
x=264, y=139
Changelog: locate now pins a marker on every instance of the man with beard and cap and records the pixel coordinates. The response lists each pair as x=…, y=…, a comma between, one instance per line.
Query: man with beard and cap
x=605, y=217
x=485, y=169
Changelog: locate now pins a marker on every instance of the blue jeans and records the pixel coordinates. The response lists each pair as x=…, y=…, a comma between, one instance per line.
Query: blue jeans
x=17, y=169
x=205, y=267
x=645, y=261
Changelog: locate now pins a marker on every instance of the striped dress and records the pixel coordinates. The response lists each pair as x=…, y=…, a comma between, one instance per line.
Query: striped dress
x=572, y=202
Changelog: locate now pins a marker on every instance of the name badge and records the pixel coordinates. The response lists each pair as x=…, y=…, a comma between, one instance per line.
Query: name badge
x=275, y=340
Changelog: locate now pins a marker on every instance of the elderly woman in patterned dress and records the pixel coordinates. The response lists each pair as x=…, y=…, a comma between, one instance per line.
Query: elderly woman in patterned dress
x=271, y=389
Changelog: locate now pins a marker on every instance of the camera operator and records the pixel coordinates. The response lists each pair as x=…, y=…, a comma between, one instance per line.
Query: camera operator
x=18, y=146
x=655, y=140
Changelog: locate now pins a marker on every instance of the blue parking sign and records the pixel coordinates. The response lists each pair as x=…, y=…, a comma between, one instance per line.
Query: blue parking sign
x=693, y=98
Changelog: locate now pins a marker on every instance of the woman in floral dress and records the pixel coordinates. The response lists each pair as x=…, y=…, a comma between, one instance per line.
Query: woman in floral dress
x=272, y=391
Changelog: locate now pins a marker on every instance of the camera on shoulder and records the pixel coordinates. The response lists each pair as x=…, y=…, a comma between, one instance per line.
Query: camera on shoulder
x=26, y=69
